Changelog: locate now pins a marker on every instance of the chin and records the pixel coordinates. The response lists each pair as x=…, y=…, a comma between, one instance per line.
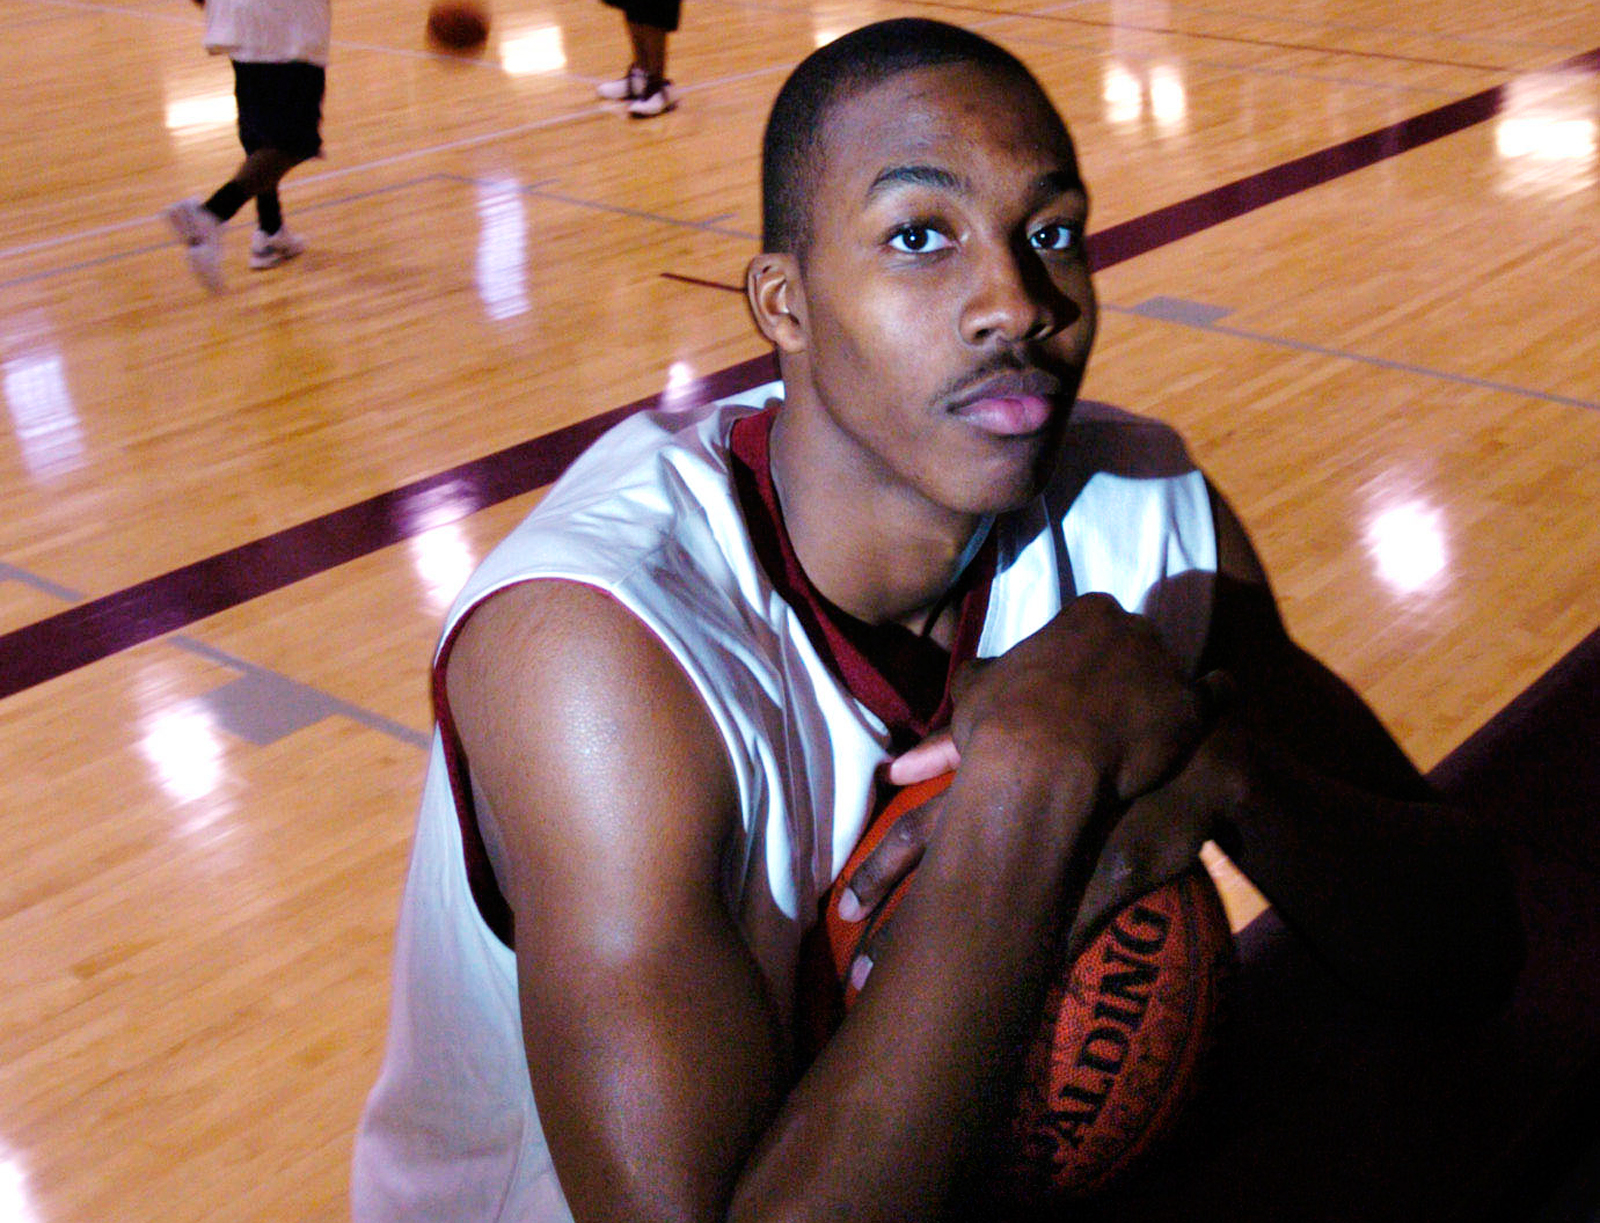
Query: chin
x=1013, y=479
x=1000, y=492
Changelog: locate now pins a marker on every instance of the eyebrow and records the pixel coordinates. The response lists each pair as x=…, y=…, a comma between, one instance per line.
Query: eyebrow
x=1050, y=183
x=918, y=176
x=1059, y=182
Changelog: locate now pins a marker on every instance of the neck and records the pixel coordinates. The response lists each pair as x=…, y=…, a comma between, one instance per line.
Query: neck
x=870, y=546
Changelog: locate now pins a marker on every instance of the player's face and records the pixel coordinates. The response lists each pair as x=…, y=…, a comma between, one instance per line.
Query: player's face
x=949, y=312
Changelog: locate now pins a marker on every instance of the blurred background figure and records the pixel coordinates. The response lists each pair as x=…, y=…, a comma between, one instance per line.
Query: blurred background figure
x=645, y=86
x=279, y=50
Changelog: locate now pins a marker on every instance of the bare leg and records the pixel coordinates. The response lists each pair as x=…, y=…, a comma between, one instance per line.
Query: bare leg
x=650, y=52
x=637, y=43
x=257, y=176
x=263, y=170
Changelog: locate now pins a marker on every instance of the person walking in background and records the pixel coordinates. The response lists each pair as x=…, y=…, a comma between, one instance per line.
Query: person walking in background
x=645, y=86
x=279, y=50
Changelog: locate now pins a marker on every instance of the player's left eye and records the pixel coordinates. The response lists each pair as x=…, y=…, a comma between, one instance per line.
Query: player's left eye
x=1053, y=238
x=917, y=239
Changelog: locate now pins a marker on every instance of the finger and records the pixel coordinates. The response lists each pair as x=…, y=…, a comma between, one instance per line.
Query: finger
x=860, y=969
x=1119, y=877
x=873, y=945
x=1160, y=755
x=1155, y=840
x=894, y=858
x=929, y=758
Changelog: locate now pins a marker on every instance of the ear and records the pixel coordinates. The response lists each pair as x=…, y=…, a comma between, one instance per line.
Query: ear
x=777, y=300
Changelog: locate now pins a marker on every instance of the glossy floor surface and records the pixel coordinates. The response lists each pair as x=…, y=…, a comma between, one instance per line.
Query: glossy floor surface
x=1349, y=249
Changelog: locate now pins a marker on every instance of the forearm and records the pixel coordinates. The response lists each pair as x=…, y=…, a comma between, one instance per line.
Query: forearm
x=1407, y=899
x=920, y=1075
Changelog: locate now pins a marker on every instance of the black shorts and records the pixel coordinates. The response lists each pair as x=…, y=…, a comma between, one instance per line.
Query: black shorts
x=280, y=107
x=662, y=14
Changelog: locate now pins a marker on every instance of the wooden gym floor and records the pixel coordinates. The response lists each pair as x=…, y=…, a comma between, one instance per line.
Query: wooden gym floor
x=1348, y=248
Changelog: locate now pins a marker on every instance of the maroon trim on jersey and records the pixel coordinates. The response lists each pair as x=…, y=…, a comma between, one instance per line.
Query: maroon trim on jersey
x=486, y=893
x=861, y=654
x=916, y=701
x=864, y=656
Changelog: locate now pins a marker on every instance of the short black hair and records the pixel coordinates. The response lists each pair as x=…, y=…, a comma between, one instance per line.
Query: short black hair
x=857, y=61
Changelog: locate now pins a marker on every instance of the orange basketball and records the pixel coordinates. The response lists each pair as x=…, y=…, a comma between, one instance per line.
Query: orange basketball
x=458, y=25
x=1124, y=1033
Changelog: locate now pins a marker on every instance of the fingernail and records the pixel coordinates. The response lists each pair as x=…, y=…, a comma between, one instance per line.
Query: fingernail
x=850, y=907
x=859, y=968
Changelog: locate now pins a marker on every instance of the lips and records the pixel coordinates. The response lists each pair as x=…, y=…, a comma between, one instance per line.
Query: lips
x=1011, y=404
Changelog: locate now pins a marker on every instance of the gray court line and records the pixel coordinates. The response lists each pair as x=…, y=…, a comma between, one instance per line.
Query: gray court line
x=303, y=180
x=601, y=108
x=1039, y=38
x=123, y=11
x=141, y=222
x=1201, y=317
x=135, y=251
x=65, y=593
x=577, y=201
x=305, y=703
x=449, y=146
x=1486, y=40
x=305, y=693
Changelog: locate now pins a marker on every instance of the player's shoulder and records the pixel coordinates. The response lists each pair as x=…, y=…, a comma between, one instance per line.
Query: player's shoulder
x=565, y=703
x=617, y=502
x=549, y=637
x=642, y=449
x=556, y=667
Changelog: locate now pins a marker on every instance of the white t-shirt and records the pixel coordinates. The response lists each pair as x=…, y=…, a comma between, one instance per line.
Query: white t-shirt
x=269, y=31
x=649, y=514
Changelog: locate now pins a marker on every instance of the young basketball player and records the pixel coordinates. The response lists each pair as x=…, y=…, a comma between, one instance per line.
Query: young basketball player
x=279, y=51
x=663, y=702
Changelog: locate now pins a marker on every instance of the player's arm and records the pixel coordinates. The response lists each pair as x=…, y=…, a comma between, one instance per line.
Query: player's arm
x=655, y=1053
x=657, y=1058
x=1401, y=892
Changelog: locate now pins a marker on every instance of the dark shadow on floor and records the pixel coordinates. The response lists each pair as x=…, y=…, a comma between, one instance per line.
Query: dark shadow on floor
x=1321, y=1110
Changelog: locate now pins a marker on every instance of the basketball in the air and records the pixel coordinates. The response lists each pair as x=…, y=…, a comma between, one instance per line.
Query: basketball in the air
x=1124, y=1035
x=458, y=25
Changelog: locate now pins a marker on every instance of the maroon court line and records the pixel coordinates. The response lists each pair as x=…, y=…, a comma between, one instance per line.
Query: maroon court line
x=1164, y=226
x=1131, y=238
x=96, y=629
x=704, y=284
x=91, y=631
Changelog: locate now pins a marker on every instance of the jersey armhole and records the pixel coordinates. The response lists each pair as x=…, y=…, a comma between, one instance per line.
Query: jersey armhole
x=487, y=895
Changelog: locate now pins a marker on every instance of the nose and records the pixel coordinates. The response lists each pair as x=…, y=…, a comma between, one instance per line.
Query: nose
x=1013, y=300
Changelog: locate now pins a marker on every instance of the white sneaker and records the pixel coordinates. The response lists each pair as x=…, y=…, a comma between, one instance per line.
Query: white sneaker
x=662, y=100
x=200, y=232
x=269, y=250
x=627, y=87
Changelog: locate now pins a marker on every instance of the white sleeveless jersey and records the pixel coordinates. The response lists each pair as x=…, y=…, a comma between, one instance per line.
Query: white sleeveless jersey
x=649, y=514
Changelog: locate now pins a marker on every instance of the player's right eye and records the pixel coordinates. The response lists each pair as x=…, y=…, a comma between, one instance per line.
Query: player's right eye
x=917, y=239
